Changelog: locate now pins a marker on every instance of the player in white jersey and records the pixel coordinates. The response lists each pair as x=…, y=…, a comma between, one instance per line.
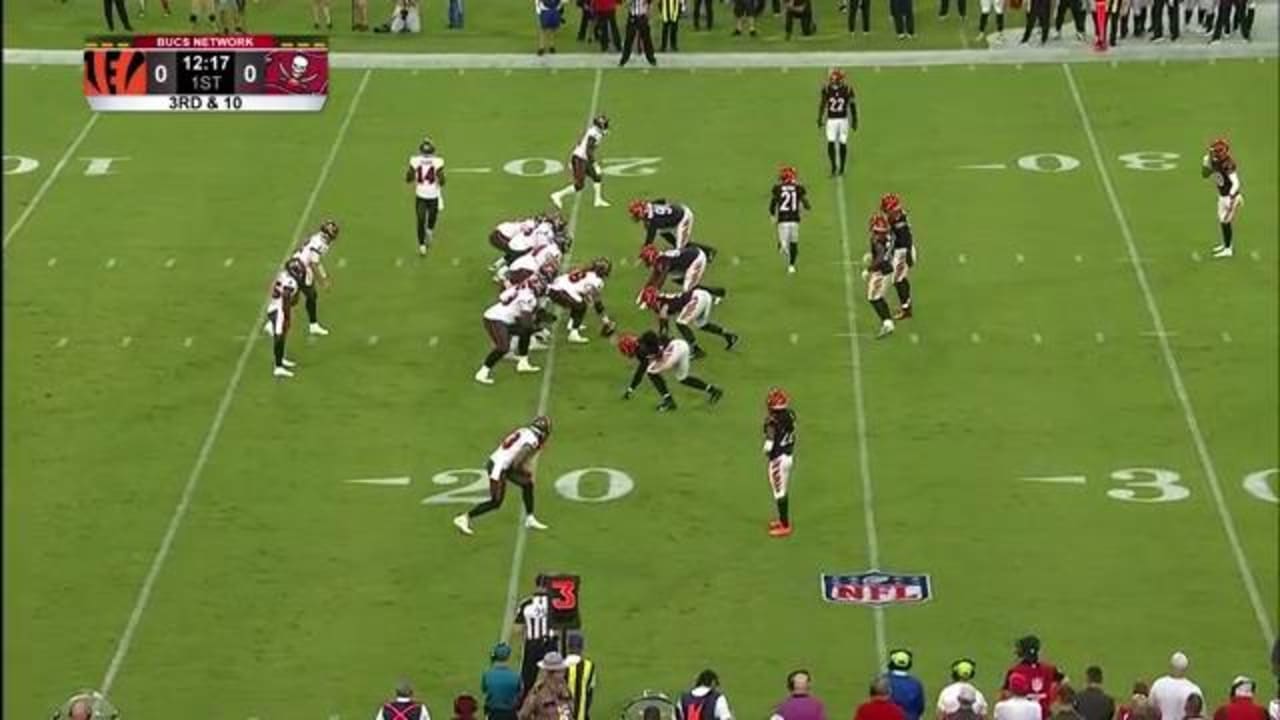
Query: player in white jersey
x=512, y=462
x=584, y=164
x=511, y=316
x=283, y=296
x=577, y=289
x=426, y=174
x=311, y=255
x=543, y=260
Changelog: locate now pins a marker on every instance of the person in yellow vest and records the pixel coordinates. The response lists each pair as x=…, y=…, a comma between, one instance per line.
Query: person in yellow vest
x=582, y=676
x=670, y=10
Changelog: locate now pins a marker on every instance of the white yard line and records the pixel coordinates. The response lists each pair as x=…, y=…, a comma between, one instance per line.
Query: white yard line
x=874, y=59
x=1175, y=375
x=48, y=181
x=860, y=410
x=544, y=401
x=215, y=428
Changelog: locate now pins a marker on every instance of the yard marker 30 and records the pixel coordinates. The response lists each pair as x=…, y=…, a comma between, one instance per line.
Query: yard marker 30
x=544, y=400
x=1260, y=609
x=125, y=642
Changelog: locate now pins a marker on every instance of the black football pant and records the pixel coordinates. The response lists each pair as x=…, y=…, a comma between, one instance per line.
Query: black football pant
x=670, y=29
x=638, y=31
x=904, y=16
x=1038, y=12
x=312, y=300
x=584, y=25
x=1225, y=22
x=119, y=10
x=426, y=211
x=1157, y=19
x=806, y=21
x=698, y=6
x=862, y=7
x=535, y=650
x=607, y=32
x=1077, y=14
x=945, y=7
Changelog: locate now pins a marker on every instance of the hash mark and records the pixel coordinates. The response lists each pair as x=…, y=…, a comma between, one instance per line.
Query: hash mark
x=111, y=262
x=1079, y=258
x=52, y=261
x=785, y=69
x=373, y=339
x=399, y=262
x=455, y=262
x=228, y=262
x=735, y=260
x=924, y=68
x=126, y=341
x=1195, y=255
x=877, y=69
x=342, y=262
x=1035, y=338
x=433, y=341
x=168, y=264
x=62, y=342
x=187, y=342
x=794, y=338
x=1099, y=338
x=1254, y=254
x=1115, y=64
x=1226, y=336
x=1019, y=258
x=915, y=339
x=1018, y=66
x=972, y=66
x=963, y=258
x=975, y=338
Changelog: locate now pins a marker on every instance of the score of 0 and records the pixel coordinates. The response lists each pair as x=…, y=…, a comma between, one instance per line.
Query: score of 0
x=207, y=73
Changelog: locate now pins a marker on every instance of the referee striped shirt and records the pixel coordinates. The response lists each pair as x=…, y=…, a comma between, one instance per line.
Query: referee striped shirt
x=535, y=614
x=638, y=8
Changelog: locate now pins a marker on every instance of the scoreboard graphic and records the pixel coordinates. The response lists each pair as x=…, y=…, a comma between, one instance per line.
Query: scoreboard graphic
x=206, y=73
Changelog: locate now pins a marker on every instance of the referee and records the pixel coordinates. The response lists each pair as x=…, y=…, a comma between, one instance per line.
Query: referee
x=638, y=27
x=533, y=616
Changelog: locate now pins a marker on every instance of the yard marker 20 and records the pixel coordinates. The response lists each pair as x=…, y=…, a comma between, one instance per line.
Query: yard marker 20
x=544, y=400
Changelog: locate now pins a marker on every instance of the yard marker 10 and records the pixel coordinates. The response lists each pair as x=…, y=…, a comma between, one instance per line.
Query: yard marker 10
x=206, y=73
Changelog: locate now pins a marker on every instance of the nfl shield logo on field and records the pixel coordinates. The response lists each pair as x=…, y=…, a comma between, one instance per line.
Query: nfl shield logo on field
x=876, y=588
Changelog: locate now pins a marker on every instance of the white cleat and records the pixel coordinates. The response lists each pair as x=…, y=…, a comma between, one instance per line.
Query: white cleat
x=282, y=372
x=555, y=200
x=463, y=523
x=1223, y=252
x=317, y=329
x=533, y=523
x=288, y=363
x=791, y=269
x=886, y=329
x=601, y=202
x=484, y=377
x=537, y=343
x=576, y=338
x=524, y=366
x=422, y=250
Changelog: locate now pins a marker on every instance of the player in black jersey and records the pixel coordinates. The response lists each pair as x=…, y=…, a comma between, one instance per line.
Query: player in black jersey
x=785, y=201
x=779, y=451
x=673, y=221
x=838, y=111
x=684, y=266
x=692, y=309
x=879, y=269
x=655, y=354
x=904, y=251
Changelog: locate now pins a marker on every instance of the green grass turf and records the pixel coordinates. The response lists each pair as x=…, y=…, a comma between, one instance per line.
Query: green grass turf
x=290, y=594
x=503, y=26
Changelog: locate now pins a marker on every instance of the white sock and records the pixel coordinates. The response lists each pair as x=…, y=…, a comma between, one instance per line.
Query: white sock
x=563, y=191
x=598, y=190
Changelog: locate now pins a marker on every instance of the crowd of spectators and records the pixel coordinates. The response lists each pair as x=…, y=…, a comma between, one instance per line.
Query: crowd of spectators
x=562, y=687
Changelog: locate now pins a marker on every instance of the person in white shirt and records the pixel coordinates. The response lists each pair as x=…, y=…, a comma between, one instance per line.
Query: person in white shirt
x=512, y=462
x=511, y=316
x=311, y=255
x=426, y=174
x=1018, y=706
x=962, y=672
x=1169, y=692
x=585, y=165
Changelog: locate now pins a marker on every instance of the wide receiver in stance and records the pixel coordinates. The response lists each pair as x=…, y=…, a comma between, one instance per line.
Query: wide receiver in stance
x=512, y=462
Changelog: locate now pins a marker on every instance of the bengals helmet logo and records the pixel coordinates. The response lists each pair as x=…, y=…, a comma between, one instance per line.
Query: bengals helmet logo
x=115, y=72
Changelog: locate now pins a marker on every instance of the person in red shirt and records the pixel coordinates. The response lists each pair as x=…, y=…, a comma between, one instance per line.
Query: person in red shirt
x=879, y=706
x=605, y=13
x=1042, y=676
x=1241, y=705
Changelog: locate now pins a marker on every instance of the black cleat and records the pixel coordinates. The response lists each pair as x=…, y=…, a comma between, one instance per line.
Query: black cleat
x=730, y=341
x=698, y=352
x=715, y=393
x=668, y=403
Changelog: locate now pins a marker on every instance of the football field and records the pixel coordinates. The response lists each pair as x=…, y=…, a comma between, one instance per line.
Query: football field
x=1075, y=436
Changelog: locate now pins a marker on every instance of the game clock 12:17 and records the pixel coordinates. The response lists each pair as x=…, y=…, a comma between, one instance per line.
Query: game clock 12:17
x=205, y=72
